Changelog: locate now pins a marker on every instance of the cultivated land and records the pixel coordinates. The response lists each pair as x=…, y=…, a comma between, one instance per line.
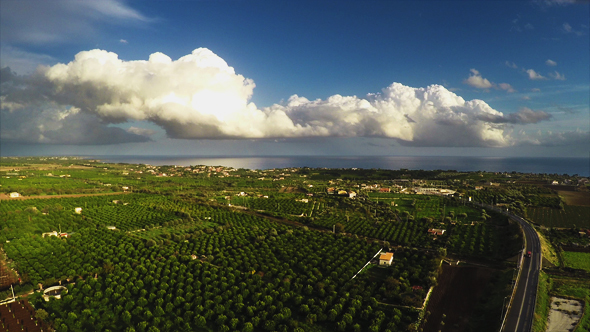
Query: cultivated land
x=577, y=260
x=202, y=248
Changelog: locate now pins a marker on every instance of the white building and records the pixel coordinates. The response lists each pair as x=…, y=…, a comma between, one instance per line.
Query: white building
x=78, y=210
x=14, y=195
x=386, y=259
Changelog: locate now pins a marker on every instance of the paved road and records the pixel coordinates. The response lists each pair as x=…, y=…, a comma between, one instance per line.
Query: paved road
x=520, y=315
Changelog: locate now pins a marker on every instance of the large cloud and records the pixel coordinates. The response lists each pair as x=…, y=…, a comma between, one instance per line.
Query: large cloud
x=200, y=96
x=27, y=116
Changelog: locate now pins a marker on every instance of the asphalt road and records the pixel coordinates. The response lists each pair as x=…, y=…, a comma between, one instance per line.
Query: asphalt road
x=520, y=314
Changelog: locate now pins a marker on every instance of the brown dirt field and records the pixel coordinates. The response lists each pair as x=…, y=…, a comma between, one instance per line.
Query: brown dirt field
x=16, y=316
x=7, y=277
x=456, y=295
x=575, y=197
x=6, y=197
x=290, y=190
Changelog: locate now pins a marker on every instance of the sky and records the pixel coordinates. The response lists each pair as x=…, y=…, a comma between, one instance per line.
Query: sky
x=339, y=78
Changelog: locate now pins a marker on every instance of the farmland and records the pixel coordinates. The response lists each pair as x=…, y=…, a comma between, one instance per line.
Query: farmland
x=577, y=260
x=167, y=248
x=568, y=217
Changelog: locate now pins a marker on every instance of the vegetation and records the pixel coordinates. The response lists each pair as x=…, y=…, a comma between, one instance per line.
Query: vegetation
x=543, y=303
x=211, y=248
x=577, y=260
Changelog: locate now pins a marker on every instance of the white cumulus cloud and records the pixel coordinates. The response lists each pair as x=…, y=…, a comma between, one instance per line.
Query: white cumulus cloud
x=476, y=81
x=200, y=96
x=551, y=63
x=533, y=75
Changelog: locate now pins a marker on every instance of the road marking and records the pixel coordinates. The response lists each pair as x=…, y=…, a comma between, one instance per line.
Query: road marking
x=524, y=296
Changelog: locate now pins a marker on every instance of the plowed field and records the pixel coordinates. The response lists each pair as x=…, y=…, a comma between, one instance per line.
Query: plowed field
x=457, y=293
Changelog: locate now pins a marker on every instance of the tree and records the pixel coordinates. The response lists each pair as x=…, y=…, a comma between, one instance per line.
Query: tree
x=41, y=314
x=126, y=317
x=339, y=227
x=248, y=327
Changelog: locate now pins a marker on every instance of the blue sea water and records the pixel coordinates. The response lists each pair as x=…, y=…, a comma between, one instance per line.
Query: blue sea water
x=571, y=166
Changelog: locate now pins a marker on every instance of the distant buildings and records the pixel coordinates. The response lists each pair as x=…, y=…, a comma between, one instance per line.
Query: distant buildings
x=434, y=191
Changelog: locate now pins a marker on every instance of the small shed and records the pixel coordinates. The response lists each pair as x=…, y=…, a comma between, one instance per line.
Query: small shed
x=14, y=195
x=78, y=210
x=436, y=231
x=386, y=259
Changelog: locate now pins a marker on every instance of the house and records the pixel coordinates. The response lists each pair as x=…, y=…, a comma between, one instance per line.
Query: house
x=112, y=228
x=555, y=182
x=78, y=210
x=125, y=188
x=436, y=231
x=331, y=191
x=351, y=194
x=14, y=195
x=386, y=258
x=385, y=190
x=54, y=233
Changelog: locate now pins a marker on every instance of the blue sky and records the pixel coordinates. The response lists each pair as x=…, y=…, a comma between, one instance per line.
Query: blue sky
x=491, y=78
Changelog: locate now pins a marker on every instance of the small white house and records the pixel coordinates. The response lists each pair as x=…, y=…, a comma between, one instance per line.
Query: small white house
x=14, y=195
x=112, y=228
x=386, y=259
x=78, y=210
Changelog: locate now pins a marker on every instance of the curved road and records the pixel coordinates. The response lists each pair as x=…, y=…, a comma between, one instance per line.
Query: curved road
x=522, y=308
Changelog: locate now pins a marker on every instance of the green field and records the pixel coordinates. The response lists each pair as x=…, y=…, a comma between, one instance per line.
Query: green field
x=577, y=260
x=568, y=217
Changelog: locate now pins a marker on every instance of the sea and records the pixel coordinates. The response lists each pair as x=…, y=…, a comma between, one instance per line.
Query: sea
x=570, y=166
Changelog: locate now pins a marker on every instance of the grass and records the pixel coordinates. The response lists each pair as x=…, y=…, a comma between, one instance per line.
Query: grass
x=577, y=260
x=542, y=307
x=547, y=250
